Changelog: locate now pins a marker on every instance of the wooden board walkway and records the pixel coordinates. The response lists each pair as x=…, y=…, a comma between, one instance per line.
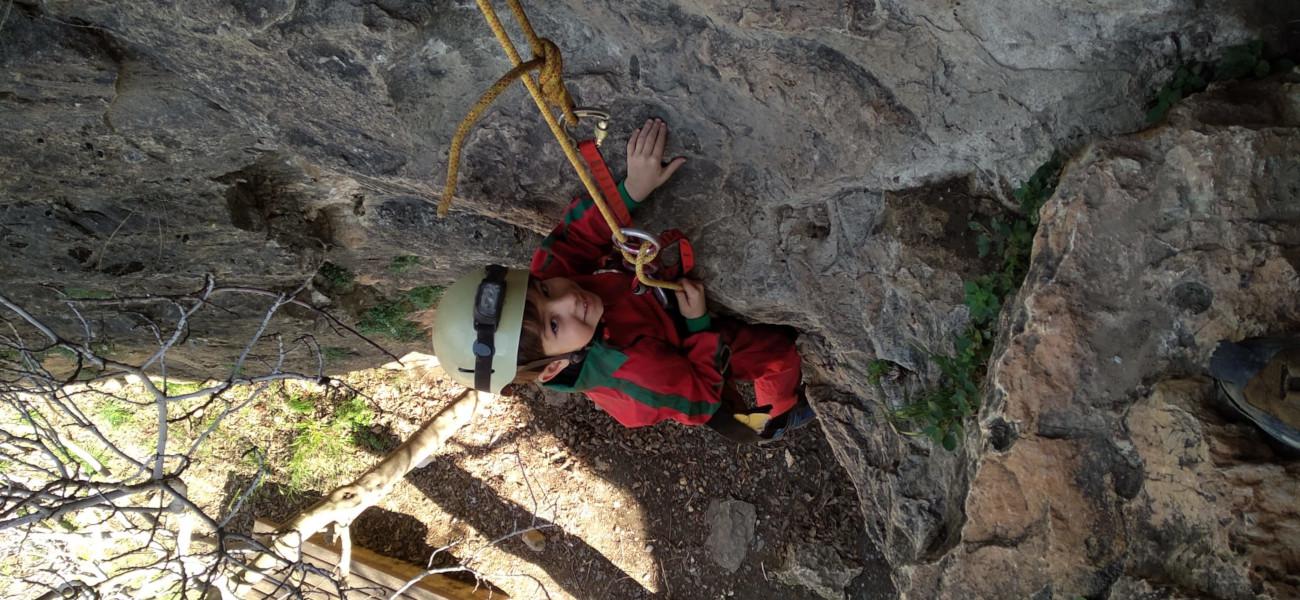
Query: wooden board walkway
x=372, y=575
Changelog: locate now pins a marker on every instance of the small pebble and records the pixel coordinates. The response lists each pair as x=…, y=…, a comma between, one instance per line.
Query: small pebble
x=535, y=540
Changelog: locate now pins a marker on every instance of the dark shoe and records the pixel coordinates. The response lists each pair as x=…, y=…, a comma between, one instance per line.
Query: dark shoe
x=799, y=416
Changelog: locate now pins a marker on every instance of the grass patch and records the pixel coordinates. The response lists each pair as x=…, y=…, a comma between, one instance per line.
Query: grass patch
x=100, y=454
x=115, y=413
x=318, y=448
x=389, y=318
x=300, y=404
x=940, y=413
x=176, y=388
x=1243, y=61
x=403, y=263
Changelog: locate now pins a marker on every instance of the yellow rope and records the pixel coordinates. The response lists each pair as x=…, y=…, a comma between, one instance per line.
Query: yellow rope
x=550, y=90
x=458, y=140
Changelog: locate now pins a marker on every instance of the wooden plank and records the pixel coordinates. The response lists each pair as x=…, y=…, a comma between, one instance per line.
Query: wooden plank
x=373, y=569
x=315, y=587
x=391, y=573
x=324, y=555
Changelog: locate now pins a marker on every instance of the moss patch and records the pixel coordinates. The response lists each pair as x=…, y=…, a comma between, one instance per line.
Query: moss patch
x=390, y=317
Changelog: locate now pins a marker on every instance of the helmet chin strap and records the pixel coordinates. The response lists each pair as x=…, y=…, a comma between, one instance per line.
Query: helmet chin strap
x=573, y=358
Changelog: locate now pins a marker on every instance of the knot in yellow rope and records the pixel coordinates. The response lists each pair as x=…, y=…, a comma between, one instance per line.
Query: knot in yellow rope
x=551, y=78
x=550, y=66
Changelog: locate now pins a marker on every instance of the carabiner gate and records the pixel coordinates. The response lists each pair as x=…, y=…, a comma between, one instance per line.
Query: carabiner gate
x=601, y=128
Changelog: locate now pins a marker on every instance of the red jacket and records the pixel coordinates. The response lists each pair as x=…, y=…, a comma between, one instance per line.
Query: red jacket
x=641, y=369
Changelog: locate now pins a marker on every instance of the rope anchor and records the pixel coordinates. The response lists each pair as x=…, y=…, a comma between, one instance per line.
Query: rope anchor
x=601, y=129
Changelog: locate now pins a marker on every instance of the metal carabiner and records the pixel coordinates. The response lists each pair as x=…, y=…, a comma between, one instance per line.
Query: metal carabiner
x=639, y=234
x=601, y=129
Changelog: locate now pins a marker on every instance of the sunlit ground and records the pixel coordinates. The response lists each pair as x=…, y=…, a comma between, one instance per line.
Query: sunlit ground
x=500, y=475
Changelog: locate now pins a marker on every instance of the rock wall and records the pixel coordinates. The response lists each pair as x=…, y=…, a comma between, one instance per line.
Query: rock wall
x=1106, y=466
x=836, y=152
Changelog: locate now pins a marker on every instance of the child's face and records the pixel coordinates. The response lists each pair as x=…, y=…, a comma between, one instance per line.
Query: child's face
x=569, y=314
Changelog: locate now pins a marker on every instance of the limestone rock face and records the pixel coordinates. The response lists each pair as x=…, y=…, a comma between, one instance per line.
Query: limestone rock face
x=836, y=152
x=253, y=139
x=817, y=568
x=1106, y=466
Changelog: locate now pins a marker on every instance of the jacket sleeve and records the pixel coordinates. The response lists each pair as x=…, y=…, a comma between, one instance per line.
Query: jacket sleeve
x=659, y=382
x=576, y=245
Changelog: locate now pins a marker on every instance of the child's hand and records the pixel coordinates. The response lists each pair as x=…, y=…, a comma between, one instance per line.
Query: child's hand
x=690, y=300
x=645, y=160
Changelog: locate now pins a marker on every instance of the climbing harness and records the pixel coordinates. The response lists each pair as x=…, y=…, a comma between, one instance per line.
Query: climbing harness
x=671, y=254
x=548, y=90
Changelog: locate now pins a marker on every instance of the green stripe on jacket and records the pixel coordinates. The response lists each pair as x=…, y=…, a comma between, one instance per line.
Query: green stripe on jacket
x=598, y=371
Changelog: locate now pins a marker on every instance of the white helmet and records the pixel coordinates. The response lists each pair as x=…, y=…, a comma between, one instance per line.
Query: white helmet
x=477, y=327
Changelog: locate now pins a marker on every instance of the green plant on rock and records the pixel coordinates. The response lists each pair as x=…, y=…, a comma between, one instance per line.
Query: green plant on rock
x=424, y=296
x=389, y=318
x=102, y=348
x=403, y=263
x=982, y=298
x=940, y=413
x=1187, y=80
x=337, y=277
x=1243, y=61
x=878, y=369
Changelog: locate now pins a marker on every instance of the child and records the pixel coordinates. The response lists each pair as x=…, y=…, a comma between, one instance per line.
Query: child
x=575, y=327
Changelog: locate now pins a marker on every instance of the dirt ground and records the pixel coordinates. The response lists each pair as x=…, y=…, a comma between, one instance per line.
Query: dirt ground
x=623, y=511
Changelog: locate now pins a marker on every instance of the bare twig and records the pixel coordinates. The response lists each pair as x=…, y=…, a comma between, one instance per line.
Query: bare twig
x=53, y=474
x=252, y=487
x=103, y=249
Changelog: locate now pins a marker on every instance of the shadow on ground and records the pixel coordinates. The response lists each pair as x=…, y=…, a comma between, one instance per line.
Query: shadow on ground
x=801, y=495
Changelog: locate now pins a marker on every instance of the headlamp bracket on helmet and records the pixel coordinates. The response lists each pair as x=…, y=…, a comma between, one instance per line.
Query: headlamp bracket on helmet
x=488, y=302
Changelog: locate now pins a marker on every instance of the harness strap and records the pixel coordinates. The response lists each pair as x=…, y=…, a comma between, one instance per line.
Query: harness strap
x=484, y=350
x=488, y=300
x=600, y=171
